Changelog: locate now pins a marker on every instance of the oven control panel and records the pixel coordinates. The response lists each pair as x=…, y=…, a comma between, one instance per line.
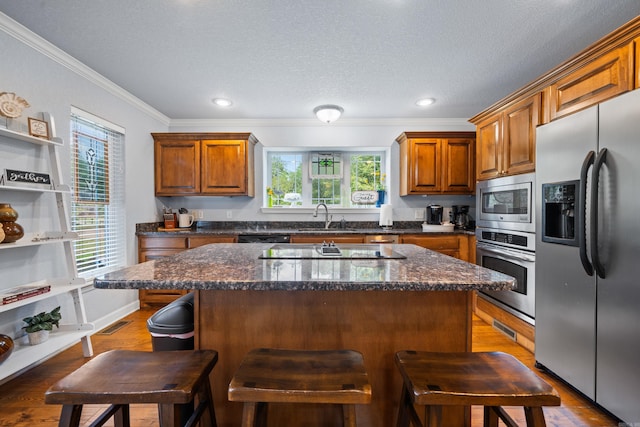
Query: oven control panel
x=513, y=239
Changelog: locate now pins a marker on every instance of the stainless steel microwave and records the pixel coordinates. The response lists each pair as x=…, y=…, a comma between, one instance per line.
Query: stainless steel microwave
x=507, y=203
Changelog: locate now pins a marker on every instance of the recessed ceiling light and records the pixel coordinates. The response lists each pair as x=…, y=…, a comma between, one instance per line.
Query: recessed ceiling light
x=221, y=102
x=424, y=102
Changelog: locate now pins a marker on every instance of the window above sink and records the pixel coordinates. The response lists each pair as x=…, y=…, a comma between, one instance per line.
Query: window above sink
x=303, y=179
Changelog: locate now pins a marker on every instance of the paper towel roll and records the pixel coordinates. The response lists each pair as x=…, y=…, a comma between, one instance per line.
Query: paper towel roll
x=386, y=217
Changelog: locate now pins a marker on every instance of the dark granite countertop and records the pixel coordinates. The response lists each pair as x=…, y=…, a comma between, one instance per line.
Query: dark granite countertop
x=209, y=228
x=229, y=266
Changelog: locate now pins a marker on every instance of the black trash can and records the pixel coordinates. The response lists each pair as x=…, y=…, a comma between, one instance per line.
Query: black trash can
x=171, y=327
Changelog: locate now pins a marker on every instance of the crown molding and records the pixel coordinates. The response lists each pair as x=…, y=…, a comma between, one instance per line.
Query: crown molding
x=448, y=123
x=29, y=38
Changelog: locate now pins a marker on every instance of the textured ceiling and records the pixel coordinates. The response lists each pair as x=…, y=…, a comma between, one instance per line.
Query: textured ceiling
x=278, y=59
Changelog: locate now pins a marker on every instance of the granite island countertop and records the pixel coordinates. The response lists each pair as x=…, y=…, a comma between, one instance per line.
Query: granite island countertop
x=229, y=266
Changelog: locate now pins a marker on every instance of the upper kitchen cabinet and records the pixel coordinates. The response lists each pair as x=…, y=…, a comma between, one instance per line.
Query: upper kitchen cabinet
x=506, y=141
x=637, y=72
x=506, y=130
x=437, y=163
x=204, y=164
x=605, y=77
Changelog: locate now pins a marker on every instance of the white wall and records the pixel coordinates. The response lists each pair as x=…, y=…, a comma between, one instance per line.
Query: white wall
x=49, y=86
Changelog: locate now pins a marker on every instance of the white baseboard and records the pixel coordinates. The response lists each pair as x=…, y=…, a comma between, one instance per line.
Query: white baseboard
x=116, y=315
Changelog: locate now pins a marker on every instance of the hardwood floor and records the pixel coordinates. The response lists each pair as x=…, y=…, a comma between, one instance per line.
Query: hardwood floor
x=22, y=399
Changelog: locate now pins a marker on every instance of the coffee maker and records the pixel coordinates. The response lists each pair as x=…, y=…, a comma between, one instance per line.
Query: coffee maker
x=460, y=216
x=434, y=214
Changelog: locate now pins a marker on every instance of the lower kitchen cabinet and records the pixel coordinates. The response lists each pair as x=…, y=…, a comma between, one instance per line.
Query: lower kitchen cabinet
x=150, y=248
x=455, y=245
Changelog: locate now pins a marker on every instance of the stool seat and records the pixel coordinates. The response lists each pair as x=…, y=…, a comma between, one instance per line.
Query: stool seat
x=490, y=379
x=124, y=377
x=299, y=376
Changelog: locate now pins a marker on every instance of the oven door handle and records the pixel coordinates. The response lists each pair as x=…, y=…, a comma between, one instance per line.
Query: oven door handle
x=507, y=253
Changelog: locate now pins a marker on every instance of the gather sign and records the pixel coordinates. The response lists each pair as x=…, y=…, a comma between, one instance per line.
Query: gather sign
x=27, y=177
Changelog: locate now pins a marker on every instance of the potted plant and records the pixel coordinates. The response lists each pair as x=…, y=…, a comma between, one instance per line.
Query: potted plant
x=39, y=326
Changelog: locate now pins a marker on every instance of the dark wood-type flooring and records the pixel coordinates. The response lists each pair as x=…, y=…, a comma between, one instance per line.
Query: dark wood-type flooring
x=22, y=399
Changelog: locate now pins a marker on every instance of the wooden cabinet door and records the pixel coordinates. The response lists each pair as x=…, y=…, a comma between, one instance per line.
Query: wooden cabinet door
x=437, y=163
x=197, y=241
x=177, y=167
x=636, y=43
x=489, y=147
x=448, y=244
x=224, y=167
x=607, y=76
x=425, y=166
x=519, y=136
x=458, y=164
x=150, y=248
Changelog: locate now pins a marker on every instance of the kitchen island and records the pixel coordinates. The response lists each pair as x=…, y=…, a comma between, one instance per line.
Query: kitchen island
x=245, y=299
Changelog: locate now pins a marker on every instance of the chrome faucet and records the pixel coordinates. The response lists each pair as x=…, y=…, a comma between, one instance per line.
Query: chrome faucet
x=327, y=217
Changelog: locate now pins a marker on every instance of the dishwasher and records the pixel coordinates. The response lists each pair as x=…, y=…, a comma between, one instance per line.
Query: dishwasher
x=264, y=238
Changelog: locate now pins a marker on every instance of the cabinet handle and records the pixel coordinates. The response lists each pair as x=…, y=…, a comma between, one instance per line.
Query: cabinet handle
x=382, y=241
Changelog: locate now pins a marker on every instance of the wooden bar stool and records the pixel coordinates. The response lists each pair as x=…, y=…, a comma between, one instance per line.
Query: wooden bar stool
x=491, y=379
x=299, y=376
x=171, y=379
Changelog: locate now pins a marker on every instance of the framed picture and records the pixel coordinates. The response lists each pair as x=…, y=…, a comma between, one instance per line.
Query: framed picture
x=92, y=169
x=38, y=128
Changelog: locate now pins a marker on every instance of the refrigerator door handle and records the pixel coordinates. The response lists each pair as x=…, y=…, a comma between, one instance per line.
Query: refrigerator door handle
x=582, y=213
x=602, y=157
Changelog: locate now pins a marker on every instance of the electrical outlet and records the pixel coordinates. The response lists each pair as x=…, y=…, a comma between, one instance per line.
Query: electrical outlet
x=229, y=214
x=418, y=214
x=197, y=213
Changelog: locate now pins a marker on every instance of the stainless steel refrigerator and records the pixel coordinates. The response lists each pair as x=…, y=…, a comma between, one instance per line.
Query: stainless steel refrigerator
x=588, y=253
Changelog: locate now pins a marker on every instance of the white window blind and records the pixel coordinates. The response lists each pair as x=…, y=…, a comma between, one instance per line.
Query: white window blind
x=98, y=194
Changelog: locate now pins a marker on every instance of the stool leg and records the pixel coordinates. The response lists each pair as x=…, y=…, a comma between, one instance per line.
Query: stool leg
x=173, y=415
x=254, y=414
x=205, y=395
x=534, y=416
x=349, y=415
x=490, y=417
x=70, y=416
x=121, y=417
x=433, y=415
x=403, y=408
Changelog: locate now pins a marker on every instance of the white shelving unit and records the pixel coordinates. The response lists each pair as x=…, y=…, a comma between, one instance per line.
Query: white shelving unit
x=25, y=356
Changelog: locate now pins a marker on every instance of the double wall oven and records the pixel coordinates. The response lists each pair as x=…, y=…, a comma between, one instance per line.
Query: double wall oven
x=505, y=239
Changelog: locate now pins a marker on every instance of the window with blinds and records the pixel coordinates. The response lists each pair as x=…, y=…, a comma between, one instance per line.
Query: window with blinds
x=330, y=178
x=98, y=194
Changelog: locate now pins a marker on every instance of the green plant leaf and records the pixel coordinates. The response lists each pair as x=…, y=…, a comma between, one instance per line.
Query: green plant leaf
x=43, y=321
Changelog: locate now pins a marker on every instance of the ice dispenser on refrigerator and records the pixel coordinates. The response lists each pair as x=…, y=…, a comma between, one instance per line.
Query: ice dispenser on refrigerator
x=559, y=220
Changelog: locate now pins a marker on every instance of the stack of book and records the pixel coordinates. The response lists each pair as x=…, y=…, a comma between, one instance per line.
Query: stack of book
x=21, y=292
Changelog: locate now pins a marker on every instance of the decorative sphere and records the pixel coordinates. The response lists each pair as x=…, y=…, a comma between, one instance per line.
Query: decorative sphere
x=6, y=347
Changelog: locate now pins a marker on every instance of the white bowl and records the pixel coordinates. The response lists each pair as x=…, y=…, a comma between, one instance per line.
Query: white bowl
x=441, y=228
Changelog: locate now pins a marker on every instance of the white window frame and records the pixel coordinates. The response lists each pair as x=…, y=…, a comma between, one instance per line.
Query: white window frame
x=306, y=204
x=107, y=238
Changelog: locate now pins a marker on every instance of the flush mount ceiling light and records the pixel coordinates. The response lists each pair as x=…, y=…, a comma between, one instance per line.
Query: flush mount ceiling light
x=424, y=102
x=221, y=102
x=328, y=113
